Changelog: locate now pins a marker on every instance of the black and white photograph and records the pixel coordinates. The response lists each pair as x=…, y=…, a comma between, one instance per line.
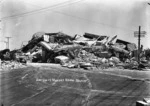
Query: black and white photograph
x=74, y=52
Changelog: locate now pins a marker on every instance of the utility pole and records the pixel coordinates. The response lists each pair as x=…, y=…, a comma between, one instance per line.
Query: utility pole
x=139, y=34
x=7, y=41
x=139, y=38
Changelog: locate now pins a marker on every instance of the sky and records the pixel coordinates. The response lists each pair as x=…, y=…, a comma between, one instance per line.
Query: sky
x=20, y=19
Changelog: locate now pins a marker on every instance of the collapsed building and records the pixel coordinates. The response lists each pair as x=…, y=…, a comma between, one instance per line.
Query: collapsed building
x=79, y=51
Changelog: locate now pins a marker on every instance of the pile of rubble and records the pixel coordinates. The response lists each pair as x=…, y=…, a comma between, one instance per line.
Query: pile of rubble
x=7, y=65
x=85, y=51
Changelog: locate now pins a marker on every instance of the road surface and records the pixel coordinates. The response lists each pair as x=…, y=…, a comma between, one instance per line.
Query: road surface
x=53, y=85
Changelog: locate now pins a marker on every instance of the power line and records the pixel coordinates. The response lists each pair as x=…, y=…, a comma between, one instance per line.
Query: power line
x=40, y=10
x=23, y=10
x=100, y=23
x=58, y=12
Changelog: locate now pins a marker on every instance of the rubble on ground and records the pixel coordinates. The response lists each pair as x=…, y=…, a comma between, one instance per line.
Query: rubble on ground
x=87, y=51
x=11, y=65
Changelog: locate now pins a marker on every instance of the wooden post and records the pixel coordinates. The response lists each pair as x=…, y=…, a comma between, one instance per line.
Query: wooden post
x=139, y=38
